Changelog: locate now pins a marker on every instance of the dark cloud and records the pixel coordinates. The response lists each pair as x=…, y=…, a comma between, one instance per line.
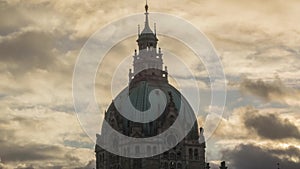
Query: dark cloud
x=273, y=54
x=266, y=125
x=29, y=152
x=28, y=49
x=253, y=157
x=269, y=91
x=26, y=44
x=15, y=149
x=262, y=89
x=12, y=19
x=271, y=126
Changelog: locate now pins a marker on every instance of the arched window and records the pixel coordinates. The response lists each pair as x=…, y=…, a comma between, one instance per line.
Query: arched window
x=172, y=165
x=178, y=155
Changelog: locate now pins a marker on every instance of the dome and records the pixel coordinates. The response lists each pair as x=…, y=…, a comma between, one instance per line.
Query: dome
x=170, y=137
x=139, y=90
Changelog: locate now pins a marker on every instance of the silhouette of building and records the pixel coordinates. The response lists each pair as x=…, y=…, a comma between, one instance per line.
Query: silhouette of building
x=148, y=74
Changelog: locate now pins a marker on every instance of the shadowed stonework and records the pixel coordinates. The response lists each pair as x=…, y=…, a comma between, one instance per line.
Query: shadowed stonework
x=147, y=76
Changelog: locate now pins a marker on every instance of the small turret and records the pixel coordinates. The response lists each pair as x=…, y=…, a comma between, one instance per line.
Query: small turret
x=201, y=137
x=148, y=57
x=207, y=166
x=223, y=165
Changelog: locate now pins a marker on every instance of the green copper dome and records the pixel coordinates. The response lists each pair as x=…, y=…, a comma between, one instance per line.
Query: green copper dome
x=139, y=96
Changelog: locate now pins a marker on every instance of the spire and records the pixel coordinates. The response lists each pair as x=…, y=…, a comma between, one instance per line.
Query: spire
x=147, y=56
x=147, y=27
x=146, y=38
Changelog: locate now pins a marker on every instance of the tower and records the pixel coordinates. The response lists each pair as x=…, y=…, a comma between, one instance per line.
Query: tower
x=147, y=75
x=147, y=56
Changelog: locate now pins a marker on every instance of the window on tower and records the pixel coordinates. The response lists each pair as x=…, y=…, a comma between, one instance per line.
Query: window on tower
x=179, y=166
x=172, y=165
x=137, y=150
x=154, y=150
x=196, y=154
x=190, y=153
x=148, y=150
x=178, y=155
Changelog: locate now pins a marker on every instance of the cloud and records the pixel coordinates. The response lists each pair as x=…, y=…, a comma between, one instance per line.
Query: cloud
x=90, y=165
x=248, y=156
x=274, y=131
x=28, y=49
x=13, y=150
x=29, y=152
x=271, y=126
x=12, y=19
x=43, y=38
x=270, y=90
x=34, y=138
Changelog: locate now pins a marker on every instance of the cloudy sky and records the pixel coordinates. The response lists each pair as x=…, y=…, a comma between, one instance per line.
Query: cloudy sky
x=258, y=43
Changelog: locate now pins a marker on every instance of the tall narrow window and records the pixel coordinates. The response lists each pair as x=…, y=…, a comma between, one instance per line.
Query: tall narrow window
x=172, y=165
x=196, y=154
x=154, y=150
x=148, y=150
x=178, y=155
x=166, y=165
x=179, y=166
x=190, y=153
x=137, y=150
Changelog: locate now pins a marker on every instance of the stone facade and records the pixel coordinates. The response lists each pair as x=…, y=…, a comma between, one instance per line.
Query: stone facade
x=148, y=74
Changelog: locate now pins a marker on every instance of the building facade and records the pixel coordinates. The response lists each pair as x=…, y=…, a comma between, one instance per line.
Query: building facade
x=148, y=74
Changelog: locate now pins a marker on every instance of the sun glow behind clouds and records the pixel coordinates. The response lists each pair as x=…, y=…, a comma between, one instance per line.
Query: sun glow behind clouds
x=255, y=39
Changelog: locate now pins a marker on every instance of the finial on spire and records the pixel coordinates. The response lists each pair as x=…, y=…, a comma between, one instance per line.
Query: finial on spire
x=147, y=27
x=146, y=6
x=139, y=31
x=155, y=28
